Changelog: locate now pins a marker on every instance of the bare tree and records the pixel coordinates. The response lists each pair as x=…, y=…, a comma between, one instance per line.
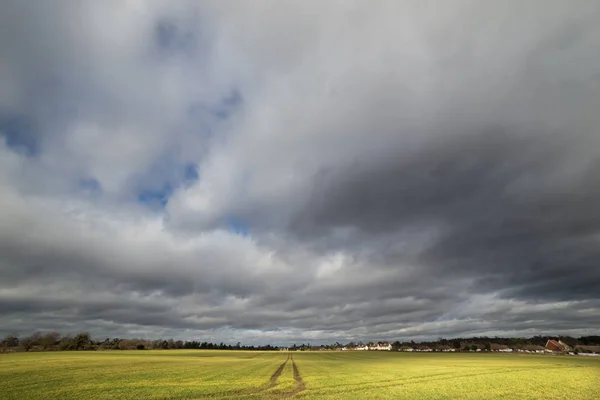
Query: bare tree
x=49, y=339
x=82, y=341
x=11, y=340
x=26, y=343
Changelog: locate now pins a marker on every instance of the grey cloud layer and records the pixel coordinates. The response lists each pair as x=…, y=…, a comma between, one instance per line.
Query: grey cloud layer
x=402, y=170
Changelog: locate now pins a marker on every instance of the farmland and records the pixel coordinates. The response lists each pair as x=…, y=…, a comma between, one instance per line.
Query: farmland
x=198, y=374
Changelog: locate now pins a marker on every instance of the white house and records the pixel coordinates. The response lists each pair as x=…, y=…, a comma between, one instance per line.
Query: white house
x=381, y=346
x=424, y=349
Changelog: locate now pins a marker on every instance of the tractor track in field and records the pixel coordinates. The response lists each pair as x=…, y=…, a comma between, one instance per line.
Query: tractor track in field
x=277, y=374
x=300, y=385
x=274, y=381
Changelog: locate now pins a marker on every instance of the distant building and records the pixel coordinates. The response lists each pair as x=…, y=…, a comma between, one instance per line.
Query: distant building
x=533, y=348
x=381, y=346
x=426, y=349
x=556, y=345
x=588, y=349
x=500, y=347
x=444, y=348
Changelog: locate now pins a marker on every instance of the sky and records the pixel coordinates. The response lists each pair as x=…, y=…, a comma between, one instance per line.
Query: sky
x=300, y=171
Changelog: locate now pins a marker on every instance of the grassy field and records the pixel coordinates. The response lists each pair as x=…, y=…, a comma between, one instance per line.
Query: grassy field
x=197, y=374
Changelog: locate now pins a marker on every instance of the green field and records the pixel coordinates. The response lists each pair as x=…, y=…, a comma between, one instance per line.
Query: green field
x=198, y=374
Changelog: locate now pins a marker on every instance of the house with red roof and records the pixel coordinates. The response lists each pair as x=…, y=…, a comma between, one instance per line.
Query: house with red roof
x=557, y=345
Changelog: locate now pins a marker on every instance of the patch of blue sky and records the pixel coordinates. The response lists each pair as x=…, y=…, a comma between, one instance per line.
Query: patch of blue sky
x=228, y=105
x=90, y=186
x=19, y=134
x=237, y=225
x=220, y=110
x=171, y=38
x=156, y=195
x=190, y=173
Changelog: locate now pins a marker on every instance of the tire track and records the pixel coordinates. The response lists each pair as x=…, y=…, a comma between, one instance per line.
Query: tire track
x=300, y=385
x=277, y=374
x=273, y=382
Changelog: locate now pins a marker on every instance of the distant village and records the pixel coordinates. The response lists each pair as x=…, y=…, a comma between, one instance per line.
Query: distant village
x=584, y=346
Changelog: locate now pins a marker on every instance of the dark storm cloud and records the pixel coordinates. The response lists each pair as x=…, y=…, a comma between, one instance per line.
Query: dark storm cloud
x=509, y=211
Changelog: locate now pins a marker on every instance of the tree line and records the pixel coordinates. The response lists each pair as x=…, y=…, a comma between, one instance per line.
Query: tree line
x=54, y=341
x=516, y=341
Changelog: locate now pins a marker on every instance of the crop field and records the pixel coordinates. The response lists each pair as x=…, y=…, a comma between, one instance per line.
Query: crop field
x=199, y=374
